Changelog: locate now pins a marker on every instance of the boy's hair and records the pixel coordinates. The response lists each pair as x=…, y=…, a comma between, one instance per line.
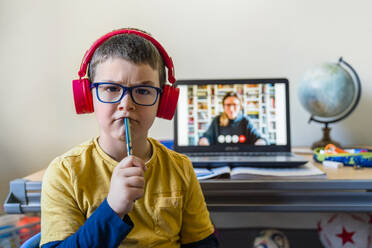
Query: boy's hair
x=132, y=48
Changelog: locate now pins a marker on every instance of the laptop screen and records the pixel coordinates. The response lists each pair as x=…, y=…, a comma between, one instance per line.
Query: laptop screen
x=232, y=115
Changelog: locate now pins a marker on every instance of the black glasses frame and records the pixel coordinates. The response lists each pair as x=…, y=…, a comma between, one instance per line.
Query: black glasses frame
x=125, y=90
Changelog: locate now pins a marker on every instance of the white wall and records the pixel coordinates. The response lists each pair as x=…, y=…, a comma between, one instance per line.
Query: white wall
x=43, y=42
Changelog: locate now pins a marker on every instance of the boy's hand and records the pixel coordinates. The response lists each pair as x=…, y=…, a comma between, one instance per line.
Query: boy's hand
x=127, y=185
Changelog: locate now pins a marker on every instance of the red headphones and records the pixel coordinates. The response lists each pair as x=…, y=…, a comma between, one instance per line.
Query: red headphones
x=82, y=90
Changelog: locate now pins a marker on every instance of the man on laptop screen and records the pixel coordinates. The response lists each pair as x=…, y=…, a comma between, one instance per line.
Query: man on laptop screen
x=232, y=116
x=232, y=125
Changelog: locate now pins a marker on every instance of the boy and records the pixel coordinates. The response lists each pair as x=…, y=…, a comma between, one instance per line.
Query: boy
x=96, y=195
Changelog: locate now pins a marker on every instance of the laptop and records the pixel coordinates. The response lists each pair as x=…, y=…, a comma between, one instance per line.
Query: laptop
x=256, y=134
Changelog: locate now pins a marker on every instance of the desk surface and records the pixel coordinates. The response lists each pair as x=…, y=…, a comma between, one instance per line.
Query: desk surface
x=346, y=189
x=345, y=173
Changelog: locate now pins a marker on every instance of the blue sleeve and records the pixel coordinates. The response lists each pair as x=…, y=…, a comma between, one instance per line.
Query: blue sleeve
x=103, y=228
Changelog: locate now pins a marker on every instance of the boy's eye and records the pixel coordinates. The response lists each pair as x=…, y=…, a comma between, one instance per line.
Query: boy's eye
x=142, y=91
x=111, y=88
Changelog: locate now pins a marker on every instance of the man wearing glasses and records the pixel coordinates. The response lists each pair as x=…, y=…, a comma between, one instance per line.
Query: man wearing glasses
x=231, y=126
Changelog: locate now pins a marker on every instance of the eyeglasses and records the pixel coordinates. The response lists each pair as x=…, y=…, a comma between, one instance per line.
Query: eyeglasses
x=143, y=95
x=229, y=105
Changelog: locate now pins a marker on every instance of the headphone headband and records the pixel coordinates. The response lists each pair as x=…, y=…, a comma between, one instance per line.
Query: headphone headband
x=82, y=87
x=89, y=53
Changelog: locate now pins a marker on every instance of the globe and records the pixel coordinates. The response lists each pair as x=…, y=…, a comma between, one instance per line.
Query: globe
x=326, y=90
x=329, y=93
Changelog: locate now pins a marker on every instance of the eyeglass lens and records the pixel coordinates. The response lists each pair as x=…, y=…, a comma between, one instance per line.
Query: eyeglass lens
x=144, y=95
x=231, y=105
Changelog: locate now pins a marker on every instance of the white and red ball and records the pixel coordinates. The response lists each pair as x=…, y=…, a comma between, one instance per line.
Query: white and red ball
x=342, y=230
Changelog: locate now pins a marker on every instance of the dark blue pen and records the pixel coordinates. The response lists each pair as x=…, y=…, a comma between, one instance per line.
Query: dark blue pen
x=127, y=136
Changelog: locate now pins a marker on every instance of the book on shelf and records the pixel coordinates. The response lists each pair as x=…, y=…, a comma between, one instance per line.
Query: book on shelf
x=306, y=171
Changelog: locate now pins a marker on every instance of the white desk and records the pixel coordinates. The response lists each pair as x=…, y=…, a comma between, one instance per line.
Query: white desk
x=346, y=190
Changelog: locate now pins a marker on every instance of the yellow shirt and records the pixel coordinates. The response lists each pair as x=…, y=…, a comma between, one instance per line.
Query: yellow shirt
x=171, y=212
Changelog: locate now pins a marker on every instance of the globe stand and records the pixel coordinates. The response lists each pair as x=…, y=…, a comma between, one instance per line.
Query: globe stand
x=326, y=139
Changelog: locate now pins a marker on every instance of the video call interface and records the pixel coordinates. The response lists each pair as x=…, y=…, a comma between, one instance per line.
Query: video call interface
x=253, y=114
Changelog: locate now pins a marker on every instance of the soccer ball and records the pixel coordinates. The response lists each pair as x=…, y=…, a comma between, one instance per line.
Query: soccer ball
x=271, y=238
x=345, y=230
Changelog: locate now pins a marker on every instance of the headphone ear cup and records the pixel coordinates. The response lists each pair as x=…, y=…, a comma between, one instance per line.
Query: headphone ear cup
x=82, y=96
x=168, y=102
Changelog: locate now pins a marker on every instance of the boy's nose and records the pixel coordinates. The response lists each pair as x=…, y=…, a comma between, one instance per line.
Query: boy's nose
x=126, y=103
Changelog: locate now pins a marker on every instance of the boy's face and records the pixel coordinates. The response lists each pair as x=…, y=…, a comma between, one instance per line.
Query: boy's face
x=110, y=115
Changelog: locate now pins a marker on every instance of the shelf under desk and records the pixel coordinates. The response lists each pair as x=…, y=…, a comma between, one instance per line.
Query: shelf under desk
x=288, y=196
x=345, y=190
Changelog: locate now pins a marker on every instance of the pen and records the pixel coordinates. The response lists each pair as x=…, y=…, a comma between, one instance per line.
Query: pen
x=127, y=136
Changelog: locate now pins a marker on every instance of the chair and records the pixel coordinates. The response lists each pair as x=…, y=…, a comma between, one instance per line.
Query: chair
x=32, y=242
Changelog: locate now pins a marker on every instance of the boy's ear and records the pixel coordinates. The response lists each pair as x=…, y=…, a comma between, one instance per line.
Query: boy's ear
x=168, y=102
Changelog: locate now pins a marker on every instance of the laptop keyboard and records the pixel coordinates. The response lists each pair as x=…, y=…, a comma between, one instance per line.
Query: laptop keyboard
x=229, y=154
